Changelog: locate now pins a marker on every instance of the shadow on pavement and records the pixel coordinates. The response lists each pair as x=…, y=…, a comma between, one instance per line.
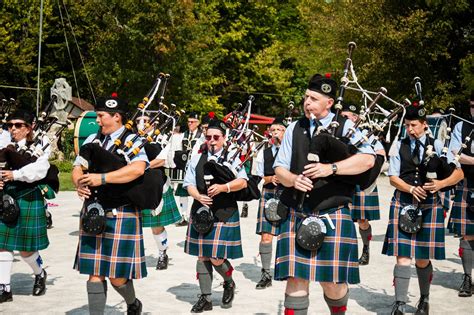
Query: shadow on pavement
x=84, y=309
x=372, y=301
x=22, y=283
x=253, y=272
x=186, y=292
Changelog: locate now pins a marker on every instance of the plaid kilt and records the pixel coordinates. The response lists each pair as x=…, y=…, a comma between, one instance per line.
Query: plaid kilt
x=263, y=226
x=168, y=215
x=181, y=191
x=428, y=243
x=30, y=233
x=445, y=199
x=365, y=206
x=335, y=261
x=462, y=220
x=116, y=253
x=223, y=241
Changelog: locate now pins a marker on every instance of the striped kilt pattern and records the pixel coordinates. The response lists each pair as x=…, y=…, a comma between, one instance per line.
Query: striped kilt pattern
x=168, y=215
x=263, y=226
x=223, y=241
x=181, y=191
x=445, y=198
x=335, y=261
x=365, y=206
x=116, y=253
x=462, y=220
x=428, y=243
x=30, y=233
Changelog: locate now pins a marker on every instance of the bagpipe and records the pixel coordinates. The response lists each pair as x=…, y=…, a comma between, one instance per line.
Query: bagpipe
x=5, y=108
x=146, y=191
x=242, y=142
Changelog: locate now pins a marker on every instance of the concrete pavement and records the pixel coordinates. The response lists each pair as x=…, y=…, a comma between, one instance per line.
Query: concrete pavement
x=175, y=290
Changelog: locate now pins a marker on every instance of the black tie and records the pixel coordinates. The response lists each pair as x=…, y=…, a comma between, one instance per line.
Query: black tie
x=317, y=124
x=416, y=153
x=106, y=141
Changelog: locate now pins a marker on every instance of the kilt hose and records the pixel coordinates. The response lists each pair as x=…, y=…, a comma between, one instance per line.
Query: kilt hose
x=365, y=206
x=116, y=253
x=335, y=261
x=30, y=233
x=428, y=243
x=263, y=226
x=169, y=213
x=223, y=241
x=462, y=219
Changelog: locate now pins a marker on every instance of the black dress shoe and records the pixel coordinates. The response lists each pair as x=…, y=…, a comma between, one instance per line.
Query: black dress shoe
x=39, y=288
x=228, y=295
x=466, y=287
x=162, y=263
x=423, y=307
x=135, y=308
x=49, y=220
x=4, y=295
x=364, y=258
x=202, y=305
x=245, y=211
x=265, y=281
x=398, y=308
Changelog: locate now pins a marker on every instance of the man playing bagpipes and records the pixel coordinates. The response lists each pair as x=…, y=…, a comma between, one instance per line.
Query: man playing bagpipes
x=23, y=191
x=213, y=233
x=462, y=213
x=264, y=169
x=191, y=140
x=110, y=244
x=167, y=212
x=316, y=201
x=365, y=204
x=416, y=221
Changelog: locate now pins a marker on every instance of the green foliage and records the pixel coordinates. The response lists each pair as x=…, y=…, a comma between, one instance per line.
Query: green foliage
x=63, y=166
x=67, y=143
x=218, y=52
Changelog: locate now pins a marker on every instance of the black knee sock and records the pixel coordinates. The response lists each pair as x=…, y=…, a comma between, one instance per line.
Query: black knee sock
x=467, y=255
x=401, y=276
x=97, y=296
x=366, y=235
x=204, y=274
x=266, y=255
x=126, y=291
x=424, y=279
x=225, y=270
x=296, y=305
x=338, y=307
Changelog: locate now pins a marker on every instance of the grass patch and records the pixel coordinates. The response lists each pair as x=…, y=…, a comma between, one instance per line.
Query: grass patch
x=65, y=181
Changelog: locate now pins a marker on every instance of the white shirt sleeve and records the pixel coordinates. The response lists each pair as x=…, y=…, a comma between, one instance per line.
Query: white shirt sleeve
x=37, y=170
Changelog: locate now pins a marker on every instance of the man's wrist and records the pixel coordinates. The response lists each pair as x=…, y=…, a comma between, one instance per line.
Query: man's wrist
x=102, y=179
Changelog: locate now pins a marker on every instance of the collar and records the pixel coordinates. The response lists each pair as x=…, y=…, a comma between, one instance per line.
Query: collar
x=422, y=139
x=114, y=135
x=21, y=143
x=325, y=121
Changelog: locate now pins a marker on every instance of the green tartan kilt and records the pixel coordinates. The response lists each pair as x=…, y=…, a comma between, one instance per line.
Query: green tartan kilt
x=223, y=241
x=428, y=243
x=462, y=219
x=335, y=261
x=365, y=206
x=30, y=233
x=116, y=253
x=168, y=215
x=181, y=191
x=263, y=226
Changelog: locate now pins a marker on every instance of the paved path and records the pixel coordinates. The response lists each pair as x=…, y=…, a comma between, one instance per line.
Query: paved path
x=173, y=291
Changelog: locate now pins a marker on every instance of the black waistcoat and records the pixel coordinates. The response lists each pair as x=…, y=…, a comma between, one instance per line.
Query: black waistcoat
x=222, y=201
x=186, y=139
x=467, y=169
x=325, y=194
x=409, y=172
x=268, y=160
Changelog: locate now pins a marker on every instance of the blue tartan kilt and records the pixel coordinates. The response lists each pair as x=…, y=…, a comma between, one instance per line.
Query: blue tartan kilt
x=223, y=241
x=30, y=233
x=116, y=253
x=335, y=261
x=168, y=215
x=445, y=198
x=462, y=219
x=263, y=226
x=365, y=206
x=428, y=243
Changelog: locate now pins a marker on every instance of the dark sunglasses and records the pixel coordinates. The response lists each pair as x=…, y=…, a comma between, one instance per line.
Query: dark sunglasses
x=17, y=125
x=215, y=137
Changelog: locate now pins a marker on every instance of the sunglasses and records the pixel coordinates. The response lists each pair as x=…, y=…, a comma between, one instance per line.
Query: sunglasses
x=215, y=137
x=17, y=125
